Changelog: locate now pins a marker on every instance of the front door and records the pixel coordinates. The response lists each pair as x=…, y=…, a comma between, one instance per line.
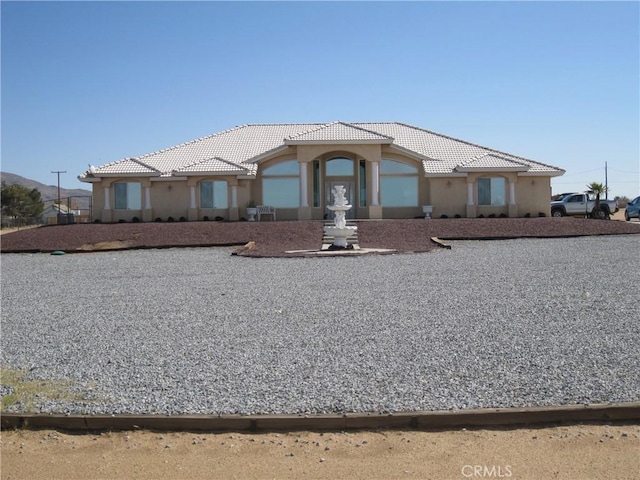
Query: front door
x=349, y=194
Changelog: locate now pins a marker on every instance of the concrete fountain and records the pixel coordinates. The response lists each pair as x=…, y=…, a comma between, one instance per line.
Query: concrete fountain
x=339, y=230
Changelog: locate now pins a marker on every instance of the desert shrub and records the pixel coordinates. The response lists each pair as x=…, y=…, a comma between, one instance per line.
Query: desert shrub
x=170, y=219
x=158, y=220
x=205, y=218
x=444, y=216
x=135, y=219
x=219, y=219
x=457, y=215
x=503, y=215
x=182, y=219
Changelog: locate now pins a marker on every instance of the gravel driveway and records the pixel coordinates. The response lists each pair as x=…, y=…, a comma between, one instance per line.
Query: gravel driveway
x=195, y=330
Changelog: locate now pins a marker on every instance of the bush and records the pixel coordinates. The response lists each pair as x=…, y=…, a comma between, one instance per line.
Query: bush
x=158, y=220
x=444, y=216
x=542, y=214
x=205, y=218
x=457, y=215
x=219, y=219
x=97, y=220
x=504, y=215
x=135, y=220
x=122, y=220
x=182, y=219
x=170, y=219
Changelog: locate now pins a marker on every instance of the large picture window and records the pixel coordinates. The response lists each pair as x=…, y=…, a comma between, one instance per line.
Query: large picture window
x=213, y=194
x=128, y=195
x=281, y=185
x=398, y=184
x=491, y=191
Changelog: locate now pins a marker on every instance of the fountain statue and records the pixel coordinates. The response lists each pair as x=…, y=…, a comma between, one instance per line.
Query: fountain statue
x=339, y=231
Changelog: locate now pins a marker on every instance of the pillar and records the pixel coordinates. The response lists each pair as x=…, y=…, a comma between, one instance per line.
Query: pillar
x=471, y=208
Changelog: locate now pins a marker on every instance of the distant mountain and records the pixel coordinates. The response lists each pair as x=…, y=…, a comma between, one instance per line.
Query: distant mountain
x=49, y=193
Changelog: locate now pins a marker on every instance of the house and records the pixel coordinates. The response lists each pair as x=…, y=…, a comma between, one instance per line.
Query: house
x=389, y=170
x=59, y=213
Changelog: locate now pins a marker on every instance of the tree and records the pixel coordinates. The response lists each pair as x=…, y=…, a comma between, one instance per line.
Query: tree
x=597, y=189
x=21, y=202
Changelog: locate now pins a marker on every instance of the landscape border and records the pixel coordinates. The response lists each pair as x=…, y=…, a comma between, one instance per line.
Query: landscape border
x=419, y=420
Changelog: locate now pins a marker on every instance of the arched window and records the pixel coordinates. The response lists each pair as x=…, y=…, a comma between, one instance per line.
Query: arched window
x=339, y=167
x=281, y=185
x=213, y=194
x=492, y=191
x=398, y=184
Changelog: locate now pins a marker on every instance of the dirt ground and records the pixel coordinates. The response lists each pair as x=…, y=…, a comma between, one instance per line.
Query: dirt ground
x=559, y=452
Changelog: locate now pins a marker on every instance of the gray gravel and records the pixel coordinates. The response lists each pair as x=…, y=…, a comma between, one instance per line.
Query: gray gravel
x=184, y=331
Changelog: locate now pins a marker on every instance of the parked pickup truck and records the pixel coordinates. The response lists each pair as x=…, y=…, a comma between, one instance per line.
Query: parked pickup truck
x=581, y=204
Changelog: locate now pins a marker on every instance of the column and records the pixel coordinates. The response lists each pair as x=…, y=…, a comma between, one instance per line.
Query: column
x=147, y=198
x=304, y=200
x=513, y=207
x=234, y=196
x=106, y=210
x=375, y=183
x=107, y=201
x=192, y=191
x=472, y=211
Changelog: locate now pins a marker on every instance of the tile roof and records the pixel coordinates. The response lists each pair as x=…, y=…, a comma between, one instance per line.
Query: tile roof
x=238, y=150
x=493, y=162
x=338, y=132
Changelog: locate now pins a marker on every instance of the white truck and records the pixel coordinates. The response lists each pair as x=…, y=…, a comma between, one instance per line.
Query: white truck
x=583, y=204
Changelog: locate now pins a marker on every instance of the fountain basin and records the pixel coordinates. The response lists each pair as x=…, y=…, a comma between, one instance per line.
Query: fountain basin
x=340, y=234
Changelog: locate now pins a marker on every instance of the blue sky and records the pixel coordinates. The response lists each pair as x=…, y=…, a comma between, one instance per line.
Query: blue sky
x=93, y=82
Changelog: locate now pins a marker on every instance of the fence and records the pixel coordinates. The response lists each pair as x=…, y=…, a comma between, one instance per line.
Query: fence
x=82, y=213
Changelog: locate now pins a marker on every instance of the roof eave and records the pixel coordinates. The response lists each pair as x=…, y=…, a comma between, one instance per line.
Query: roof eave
x=89, y=179
x=211, y=173
x=542, y=174
x=127, y=174
x=447, y=174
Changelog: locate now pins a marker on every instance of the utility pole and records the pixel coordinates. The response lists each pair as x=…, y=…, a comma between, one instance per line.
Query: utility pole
x=59, y=172
x=606, y=182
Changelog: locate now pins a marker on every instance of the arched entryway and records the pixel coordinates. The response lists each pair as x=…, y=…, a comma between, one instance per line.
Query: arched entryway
x=339, y=170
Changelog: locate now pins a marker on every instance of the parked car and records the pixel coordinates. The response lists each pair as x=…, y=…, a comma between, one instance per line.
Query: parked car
x=632, y=210
x=582, y=204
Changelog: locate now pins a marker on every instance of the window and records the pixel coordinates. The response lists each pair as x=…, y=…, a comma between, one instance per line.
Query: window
x=281, y=185
x=128, y=195
x=213, y=194
x=316, y=183
x=491, y=191
x=340, y=167
x=363, y=183
x=398, y=184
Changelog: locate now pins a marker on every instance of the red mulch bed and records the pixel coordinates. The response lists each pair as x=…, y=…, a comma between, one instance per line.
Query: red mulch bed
x=275, y=238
